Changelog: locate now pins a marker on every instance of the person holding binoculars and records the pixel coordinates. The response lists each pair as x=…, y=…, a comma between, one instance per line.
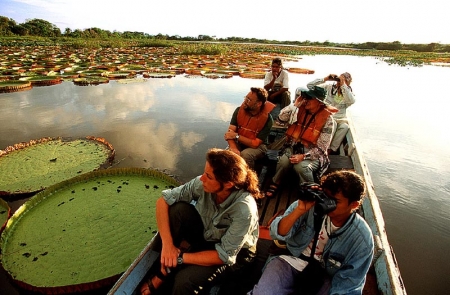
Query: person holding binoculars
x=339, y=95
x=341, y=239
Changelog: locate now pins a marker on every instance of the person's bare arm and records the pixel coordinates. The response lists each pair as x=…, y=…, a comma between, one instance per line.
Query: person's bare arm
x=205, y=258
x=230, y=136
x=169, y=252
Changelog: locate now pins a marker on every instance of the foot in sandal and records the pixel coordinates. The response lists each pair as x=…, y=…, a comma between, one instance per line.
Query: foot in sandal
x=272, y=191
x=153, y=283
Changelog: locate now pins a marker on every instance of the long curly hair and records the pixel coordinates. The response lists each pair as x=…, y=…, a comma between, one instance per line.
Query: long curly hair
x=230, y=167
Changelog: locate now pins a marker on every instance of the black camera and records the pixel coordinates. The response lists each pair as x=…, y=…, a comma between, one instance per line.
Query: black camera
x=323, y=205
x=334, y=78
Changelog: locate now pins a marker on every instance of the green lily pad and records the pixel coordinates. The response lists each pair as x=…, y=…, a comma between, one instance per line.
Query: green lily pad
x=92, y=80
x=33, y=166
x=82, y=233
x=5, y=213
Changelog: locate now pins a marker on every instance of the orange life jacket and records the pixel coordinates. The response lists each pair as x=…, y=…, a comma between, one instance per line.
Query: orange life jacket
x=249, y=126
x=307, y=129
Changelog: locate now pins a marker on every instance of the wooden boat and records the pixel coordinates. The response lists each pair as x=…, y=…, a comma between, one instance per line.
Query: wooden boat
x=384, y=275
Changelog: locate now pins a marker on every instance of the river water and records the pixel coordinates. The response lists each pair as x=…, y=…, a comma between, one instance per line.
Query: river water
x=399, y=115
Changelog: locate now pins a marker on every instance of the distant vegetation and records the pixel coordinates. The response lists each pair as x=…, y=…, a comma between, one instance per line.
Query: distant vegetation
x=38, y=32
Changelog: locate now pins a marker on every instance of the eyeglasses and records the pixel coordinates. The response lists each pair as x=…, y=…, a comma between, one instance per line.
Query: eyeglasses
x=247, y=99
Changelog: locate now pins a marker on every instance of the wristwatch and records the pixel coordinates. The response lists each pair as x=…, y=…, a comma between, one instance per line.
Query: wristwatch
x=180, y=259
x=237, y=136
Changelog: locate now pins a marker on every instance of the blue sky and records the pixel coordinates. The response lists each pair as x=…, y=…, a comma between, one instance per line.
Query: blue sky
x=342, y=21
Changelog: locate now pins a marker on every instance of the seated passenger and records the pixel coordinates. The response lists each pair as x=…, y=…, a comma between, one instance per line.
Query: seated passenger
x=250, y=126
x=307, y=139
x=340, y=96
x=208, y=227
x=344, y=249
x=276, y=82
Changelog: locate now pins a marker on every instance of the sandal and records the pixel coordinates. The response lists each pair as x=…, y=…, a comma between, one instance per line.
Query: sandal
x=148, y=287
x=272, y=191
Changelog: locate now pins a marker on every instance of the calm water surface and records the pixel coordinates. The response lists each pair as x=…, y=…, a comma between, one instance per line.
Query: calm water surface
x=400, y=118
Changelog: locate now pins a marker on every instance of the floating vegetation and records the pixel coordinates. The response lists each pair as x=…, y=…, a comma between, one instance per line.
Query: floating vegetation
x=253, y=75
x=42, y=80
x=133, y=80
x=5, y=213
x=32, y=166
x=161, y=59
x=60, y=240
x=300, y=71
x=215, y=75
x=119, y=75
x=14, y=85
x=92, y=80
x=158, y=75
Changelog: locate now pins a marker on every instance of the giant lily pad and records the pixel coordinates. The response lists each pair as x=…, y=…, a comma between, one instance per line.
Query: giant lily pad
x=82, y=233
x=13, y=86
x=33, y=166
x=5, y=213
x=42, y=80
x=90, y=80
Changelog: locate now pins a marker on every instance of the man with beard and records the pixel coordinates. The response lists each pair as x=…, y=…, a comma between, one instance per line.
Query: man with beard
x=250, y=126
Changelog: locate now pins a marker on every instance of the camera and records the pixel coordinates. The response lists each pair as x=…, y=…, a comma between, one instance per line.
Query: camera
x=334, y=78
x=323, y=205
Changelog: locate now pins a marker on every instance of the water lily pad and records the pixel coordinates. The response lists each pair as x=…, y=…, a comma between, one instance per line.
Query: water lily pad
x=159, y=75
x=82, y=233
x=90, y=80
x=119, y=75
x=14, y=85
x=252, y=74
x=300, y=71
x=5, y=213
x=33, y=166
x=214, y=75
x=42, y=80
x=133, y=80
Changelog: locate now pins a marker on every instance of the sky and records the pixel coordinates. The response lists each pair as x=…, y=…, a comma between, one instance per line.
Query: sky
x=339, y=21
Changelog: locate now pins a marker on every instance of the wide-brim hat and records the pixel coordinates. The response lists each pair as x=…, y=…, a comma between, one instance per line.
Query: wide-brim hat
x=317, y=92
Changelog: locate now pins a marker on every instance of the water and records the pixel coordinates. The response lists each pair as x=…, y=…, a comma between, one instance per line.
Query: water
x=400, y=117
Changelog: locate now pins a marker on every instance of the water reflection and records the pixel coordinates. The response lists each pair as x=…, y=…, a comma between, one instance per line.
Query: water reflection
x=170, y=123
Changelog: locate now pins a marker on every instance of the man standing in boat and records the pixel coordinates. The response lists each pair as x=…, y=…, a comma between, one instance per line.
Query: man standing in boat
x=276, y=82
x=208, y=227
x=250, y=126
x=308, y=137
x=344, y=246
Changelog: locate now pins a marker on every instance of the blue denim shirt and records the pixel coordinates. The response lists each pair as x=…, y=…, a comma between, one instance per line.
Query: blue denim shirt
x=347, y=255
x=233, y=224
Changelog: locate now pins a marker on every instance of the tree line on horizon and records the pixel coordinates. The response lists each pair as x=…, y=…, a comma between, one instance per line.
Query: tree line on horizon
x=42, y=28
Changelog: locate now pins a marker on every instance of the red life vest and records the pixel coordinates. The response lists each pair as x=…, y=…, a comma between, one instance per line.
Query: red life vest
x=249, y=126
x=307, y=129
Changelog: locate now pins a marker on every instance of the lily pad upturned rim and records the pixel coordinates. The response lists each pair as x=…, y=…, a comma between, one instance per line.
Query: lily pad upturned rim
x=5, y=205
x=42, y=80
x=7, y=86
x=82, y=287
